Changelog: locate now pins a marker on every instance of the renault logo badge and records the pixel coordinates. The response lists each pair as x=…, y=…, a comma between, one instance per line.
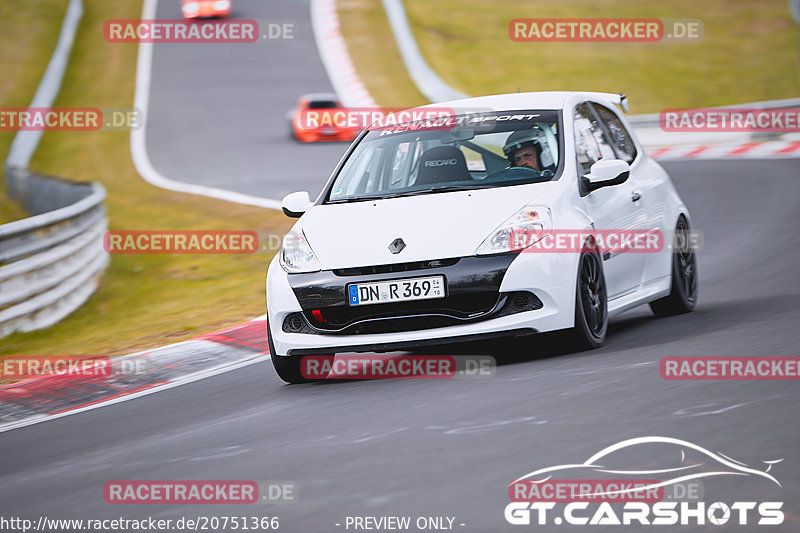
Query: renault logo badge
x=397, y=246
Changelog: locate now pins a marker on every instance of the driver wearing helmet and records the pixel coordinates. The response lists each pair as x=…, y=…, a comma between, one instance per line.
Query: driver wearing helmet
x=522, y=149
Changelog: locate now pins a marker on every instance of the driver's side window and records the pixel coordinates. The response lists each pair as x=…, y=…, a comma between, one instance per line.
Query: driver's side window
x=591, y=143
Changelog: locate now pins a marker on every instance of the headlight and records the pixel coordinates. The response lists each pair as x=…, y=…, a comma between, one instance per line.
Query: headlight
x=222, y=4
x=190, y=8
x=296, y=255
x=524, y=228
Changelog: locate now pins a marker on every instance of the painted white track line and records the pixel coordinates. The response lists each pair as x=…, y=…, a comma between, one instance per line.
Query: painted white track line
x=190, y=378
x=427, y=81
x=332, y=46
x=25, y=142
x=138, y=136
x=335, y=57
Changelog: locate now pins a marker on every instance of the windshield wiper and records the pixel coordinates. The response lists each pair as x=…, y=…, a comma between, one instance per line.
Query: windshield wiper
x=441, y=188
x=355, y=199
x=438, y=188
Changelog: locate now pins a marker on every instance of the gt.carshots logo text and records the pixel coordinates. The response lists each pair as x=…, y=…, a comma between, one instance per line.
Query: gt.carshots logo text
x=661, y=491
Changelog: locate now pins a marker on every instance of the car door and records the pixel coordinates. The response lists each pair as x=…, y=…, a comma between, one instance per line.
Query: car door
x=646, y=185
x=613, y=208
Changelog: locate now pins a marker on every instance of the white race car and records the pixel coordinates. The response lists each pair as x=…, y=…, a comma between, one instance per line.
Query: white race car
x=518, y=214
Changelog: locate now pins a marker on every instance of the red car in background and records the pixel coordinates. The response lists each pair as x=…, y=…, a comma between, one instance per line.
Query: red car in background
x=196, y=9
x=304, y=128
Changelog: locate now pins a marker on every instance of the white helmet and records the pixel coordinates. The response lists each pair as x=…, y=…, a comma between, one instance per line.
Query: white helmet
x=520, y=137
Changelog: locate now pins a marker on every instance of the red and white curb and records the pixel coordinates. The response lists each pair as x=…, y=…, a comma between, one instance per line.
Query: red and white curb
x=52, y=396
x=335, y=57
x=748, y=150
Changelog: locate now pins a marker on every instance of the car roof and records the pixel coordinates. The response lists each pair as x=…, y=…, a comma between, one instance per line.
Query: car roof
x=532, y=100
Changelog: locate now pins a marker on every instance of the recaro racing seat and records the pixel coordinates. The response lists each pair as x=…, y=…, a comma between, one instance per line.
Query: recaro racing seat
x=442, y=164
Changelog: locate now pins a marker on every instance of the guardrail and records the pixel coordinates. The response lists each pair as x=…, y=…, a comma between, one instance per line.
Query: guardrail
x=651, y=120
x=647, y=126
x=650, y=133
x=50, y=262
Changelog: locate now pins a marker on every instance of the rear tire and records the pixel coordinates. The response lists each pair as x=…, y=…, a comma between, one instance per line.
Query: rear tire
x=683, y=294
x=591, y=306
x=288, y=367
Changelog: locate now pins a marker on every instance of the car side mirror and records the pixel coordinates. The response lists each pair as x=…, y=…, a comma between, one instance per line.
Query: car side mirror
x=295, y=204
x=605, y=173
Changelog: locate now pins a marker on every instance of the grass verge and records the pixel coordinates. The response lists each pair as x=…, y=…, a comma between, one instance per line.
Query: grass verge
x=28, y=35
x=371, y=45
x=749, y=51
x=143, y=301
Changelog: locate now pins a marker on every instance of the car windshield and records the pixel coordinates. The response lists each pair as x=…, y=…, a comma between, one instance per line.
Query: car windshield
x=459, y=153
x=322, y=104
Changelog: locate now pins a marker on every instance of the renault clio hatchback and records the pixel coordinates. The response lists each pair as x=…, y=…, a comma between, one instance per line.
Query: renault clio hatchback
x=519, y=214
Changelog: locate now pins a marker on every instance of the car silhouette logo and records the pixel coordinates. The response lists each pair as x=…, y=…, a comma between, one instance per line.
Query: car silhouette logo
x=397, y=246
x=695, y=462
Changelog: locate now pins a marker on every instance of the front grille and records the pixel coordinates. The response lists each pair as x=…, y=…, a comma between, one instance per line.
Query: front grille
x=397, y=325
x=461, y=306
x=398, y=267
x=410, y=316
x=472, y=286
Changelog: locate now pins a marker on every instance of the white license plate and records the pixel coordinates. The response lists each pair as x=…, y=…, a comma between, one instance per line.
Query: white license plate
x=400, y=290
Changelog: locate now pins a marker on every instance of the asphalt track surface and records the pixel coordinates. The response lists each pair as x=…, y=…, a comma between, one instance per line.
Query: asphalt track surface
x=450, y=447
x=443, y=447
x=217, y=112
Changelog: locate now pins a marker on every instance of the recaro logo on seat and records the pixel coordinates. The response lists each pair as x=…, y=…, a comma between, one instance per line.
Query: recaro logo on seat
x=440, y=162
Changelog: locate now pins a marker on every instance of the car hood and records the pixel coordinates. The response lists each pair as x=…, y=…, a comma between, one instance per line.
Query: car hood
x=433, y=226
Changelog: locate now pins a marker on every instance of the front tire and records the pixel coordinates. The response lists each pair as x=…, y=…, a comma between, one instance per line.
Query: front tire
x=683, y=294
x=288, y=367
x=591, y=303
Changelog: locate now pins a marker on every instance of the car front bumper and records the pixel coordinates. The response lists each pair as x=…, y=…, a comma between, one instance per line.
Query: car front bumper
x=548, y=276
x=308, y=136
x=207, y=11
